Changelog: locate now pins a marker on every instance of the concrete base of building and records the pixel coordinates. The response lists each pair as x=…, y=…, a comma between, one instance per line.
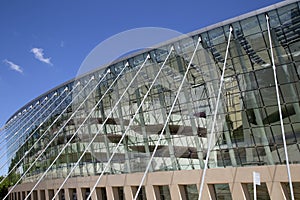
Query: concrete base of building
x=274, y=177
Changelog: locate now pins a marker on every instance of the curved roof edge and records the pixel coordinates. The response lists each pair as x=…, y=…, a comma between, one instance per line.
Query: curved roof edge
x=193, y=33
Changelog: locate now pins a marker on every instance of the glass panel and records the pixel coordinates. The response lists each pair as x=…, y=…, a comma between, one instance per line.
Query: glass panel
x=222, y=192
x=269, y=96
x=289, y=14
x=250, y=26
x=42, y=194
x=61, y=194
x=189, y=191
x=85, y=193
x=289, y=96
x=118, y=193
x=50, y=193
x=73, y=194
x=34, y=194
x=257, y=41
x=142, y=194
x=264, y=77
x=101, y=193
x=163, y=192
x=286, y=74
x=216, y=36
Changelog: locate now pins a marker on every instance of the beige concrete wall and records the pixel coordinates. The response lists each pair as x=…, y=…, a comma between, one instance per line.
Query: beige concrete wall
x=273, y=176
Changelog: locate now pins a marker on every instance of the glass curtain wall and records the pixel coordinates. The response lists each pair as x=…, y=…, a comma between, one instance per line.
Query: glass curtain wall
x=247, y=131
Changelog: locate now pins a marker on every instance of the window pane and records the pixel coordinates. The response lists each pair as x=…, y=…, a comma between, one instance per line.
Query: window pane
x=250, y=26
x=222, y=192
x=163, y=192
x=261, y=191
x=142, y=193
x=296, y=189
x=118, y=193
x=189, y=191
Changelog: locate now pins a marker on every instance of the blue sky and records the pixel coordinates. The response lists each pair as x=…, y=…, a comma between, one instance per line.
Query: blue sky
x=43, y=43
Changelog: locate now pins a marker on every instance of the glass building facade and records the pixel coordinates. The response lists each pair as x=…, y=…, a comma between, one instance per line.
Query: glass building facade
x=128, y=105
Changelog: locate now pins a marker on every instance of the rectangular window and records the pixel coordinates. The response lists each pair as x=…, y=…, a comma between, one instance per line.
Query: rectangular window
x=261, y=191
x=51, y=194
x=73, y=193
x=142, y=193
x=296, y=189
x=85, y=193
x=250, y=26
x=23, y=195
x=42, y=195
x=189, y=191
x=118, y=193
x=162, y=192
x=61, y=195
x=29, y=198
x=221, y=191
x=101, y=193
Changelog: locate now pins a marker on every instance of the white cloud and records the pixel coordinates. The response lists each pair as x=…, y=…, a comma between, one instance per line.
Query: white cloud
x=13, y=66
x=39, y=54
x=62, y=44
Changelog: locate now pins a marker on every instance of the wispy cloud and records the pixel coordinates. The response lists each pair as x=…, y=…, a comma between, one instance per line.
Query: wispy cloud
x=62, y=44
x=13, y=66
x=39, y=54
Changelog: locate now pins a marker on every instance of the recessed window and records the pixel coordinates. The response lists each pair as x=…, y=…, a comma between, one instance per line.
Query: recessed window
x=221, y=191
x=23, y=195
x=85, y=193
x=142, y=193
x=296, y=189
x=118, y=193
x=42, y=195
x=51, y=194
x=101, y=193
x=261, y=191
x=73, y=193
x=162, y=192
x=61, y=195
x=189, y=191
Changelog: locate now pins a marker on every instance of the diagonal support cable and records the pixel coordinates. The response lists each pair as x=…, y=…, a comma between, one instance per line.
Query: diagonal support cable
x=13, y=144
x=16, y=122
x=130, y=123
x=148, y=57
x=36, y=120
x=17, y=129
x=167, y=120
x=13, y=121
x=13, y=134
x=54, y=135
x=9, y=125
x=280, y=111
x=33, y=132
x=36, y=142
x=12, y=188
x=215, y=116
x=74, y=134
x=21, y=122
